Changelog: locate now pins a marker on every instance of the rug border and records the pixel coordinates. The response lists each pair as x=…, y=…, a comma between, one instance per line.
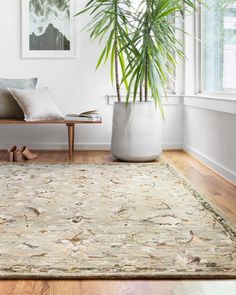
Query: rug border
x=120, y=276
x=206, y=204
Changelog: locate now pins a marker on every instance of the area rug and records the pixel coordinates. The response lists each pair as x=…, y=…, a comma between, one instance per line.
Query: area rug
x=109, y=221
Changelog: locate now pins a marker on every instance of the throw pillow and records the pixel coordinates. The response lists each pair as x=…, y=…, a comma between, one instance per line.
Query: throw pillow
x=36, y=104
x=9, y=108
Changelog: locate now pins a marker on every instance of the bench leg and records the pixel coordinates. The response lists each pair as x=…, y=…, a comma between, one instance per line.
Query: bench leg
x=71, y=138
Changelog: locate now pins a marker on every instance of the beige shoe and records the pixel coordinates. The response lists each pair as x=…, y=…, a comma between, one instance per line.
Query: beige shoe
x=28, y=154
x=10, y=153
x=18, y=156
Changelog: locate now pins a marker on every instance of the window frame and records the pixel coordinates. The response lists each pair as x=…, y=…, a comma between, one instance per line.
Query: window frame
x=199, y=61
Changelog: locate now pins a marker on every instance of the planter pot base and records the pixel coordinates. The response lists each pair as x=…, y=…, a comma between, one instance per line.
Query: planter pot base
x=136, y=132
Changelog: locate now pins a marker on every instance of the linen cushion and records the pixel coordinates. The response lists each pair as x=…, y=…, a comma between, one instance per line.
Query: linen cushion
x=9, y=108
x=36, y=104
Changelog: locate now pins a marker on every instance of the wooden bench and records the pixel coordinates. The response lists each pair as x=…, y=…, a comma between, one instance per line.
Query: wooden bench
x=70, y=125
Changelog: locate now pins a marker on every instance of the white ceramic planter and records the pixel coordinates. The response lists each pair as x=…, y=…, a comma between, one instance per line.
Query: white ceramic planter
x=136, y=132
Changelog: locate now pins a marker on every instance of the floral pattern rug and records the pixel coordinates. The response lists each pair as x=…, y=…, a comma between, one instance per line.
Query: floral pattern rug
x=109, y=221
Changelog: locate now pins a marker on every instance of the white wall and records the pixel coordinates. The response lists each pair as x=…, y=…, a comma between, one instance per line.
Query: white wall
x=209, y=122
x=210, y=136
x=74, y=85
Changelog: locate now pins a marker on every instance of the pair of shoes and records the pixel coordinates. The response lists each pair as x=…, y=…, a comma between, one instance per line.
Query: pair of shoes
x=19, y=155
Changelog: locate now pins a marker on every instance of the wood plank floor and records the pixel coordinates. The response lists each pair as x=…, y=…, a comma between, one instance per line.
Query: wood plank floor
x=221, y=193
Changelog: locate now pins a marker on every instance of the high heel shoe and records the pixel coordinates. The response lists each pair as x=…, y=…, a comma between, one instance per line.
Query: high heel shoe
x=10, y=153
x=18, y=156
x=28, y=154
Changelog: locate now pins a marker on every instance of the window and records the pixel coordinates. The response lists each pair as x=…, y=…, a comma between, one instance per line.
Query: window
x=219, y=46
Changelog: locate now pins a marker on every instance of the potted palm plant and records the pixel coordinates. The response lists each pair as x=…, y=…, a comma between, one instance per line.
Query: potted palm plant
x=142, y=48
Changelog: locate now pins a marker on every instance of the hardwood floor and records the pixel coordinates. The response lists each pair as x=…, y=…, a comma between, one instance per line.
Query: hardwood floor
x=222, y=195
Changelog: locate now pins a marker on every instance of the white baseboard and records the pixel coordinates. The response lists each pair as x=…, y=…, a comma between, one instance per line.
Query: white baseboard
x=62, y=146
x=82, y=146
x=225, y=172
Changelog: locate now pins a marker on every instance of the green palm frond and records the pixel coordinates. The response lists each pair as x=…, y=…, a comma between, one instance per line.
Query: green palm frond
x=140, y=42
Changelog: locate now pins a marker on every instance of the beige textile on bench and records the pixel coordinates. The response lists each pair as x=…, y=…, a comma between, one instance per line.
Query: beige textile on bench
x=69, y=123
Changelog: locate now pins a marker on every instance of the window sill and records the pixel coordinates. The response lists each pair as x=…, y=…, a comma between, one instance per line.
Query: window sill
x=214, y=103
x=173, y=99
x=214, y=96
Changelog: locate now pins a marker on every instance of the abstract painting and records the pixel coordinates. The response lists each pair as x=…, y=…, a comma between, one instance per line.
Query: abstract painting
x=48, y=28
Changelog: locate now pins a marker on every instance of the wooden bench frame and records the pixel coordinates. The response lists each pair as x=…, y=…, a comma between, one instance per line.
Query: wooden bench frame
x=70, y=126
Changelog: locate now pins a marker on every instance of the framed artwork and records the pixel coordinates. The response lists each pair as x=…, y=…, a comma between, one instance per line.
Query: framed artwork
x=48, y=29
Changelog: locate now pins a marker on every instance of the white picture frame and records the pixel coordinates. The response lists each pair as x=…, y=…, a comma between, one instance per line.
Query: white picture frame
x=28, y=52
